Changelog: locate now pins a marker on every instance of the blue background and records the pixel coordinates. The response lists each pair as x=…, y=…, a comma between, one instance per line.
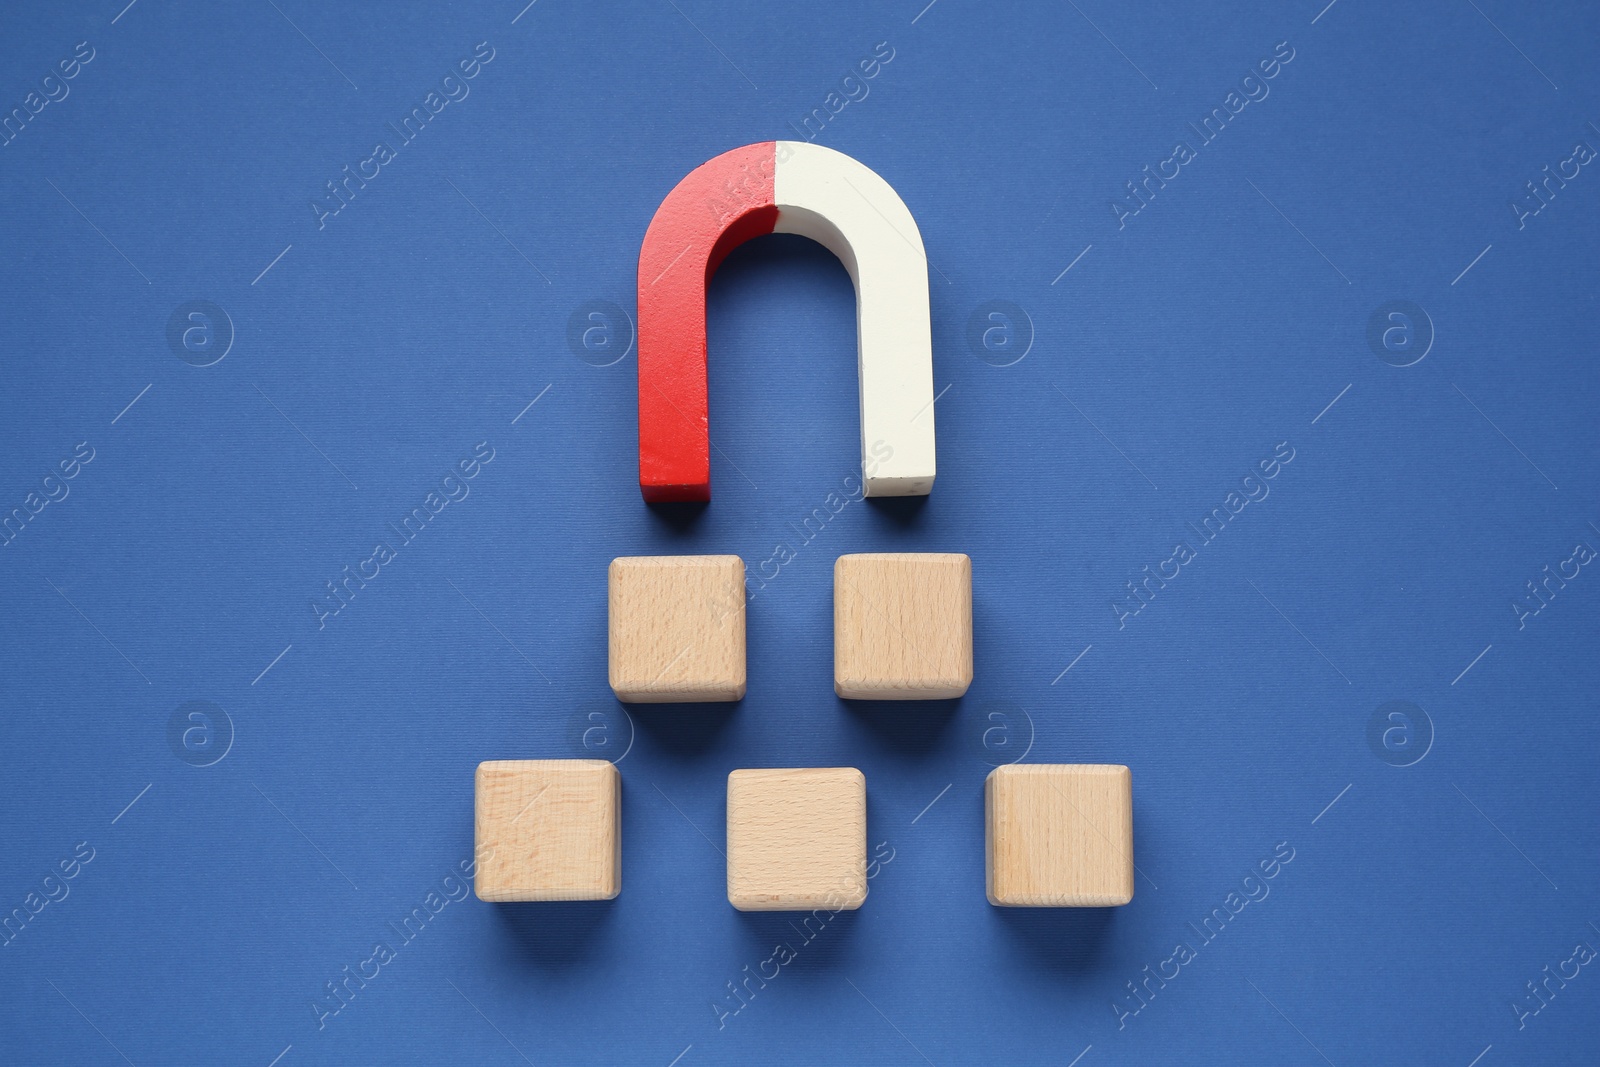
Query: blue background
x=371, y=354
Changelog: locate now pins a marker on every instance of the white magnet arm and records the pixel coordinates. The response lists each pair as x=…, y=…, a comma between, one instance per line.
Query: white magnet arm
x=844, y=206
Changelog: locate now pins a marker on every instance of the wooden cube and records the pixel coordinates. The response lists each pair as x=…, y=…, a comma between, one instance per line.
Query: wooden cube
x=902, y=625
x=1059, y=835
x=548, y=829
x=677, y=628
x=797, y=839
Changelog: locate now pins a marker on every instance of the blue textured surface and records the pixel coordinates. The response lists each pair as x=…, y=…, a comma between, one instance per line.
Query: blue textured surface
x=1187, y=342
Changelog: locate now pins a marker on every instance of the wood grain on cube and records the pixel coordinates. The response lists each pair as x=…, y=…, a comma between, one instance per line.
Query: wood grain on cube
x=902, y=626
x=797, y=839
x=548, y=830
x=1059, y=835
x=677, y=628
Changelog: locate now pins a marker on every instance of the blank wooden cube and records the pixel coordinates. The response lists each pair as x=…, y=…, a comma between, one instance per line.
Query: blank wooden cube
x=1059, y=835
x=797, y=839
x=677, y=628
x=548, y=829
x=902, y=625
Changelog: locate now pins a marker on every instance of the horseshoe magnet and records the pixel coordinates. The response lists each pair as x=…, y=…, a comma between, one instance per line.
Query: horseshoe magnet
x=784, y=187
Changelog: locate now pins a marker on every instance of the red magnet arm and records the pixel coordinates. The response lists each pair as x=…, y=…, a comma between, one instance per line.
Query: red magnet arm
x=721, y=204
